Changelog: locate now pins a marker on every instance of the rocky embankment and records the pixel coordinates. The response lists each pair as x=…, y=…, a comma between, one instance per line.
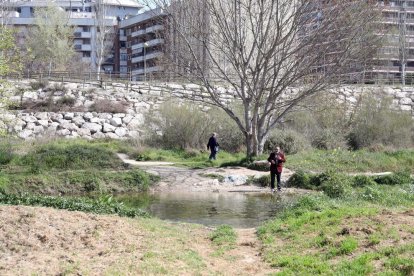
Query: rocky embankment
x=119, y=111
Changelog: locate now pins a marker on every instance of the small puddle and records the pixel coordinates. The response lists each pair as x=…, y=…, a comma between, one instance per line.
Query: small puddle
x=240, y=210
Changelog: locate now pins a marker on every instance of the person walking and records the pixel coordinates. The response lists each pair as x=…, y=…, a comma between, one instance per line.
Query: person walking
x=213, y=145
x=276, y=160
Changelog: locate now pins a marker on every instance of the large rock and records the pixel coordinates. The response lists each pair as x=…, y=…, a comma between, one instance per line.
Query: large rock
x=69, y=116
x=25, y=134
x=111, y=135
x=93, y=127
x=121, y=131
x=30, y=95
x=29, y=119
x=116, y=122
x=68, y=125
x=63, y=132
x=78, y=121
x=84, y=132
x=108, y=128
x=42, y=115
x=55, y=117
x=98, y=135
x=44, y=123
x=38, y=129
x=88, y=116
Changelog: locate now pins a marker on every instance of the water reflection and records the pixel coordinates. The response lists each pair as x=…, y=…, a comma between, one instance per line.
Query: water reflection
x=241, y=210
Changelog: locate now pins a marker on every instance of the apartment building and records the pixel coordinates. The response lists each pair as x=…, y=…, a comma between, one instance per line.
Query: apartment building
x=141, y=45
x=82, y=15
x=396, y=58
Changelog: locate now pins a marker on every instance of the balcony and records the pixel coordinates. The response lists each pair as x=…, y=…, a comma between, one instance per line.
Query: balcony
x=83, y=47
x=151, y=29
x=122, y=38
x=150, y=43
x=82, y=35
x=86, y=59
x=147, y=57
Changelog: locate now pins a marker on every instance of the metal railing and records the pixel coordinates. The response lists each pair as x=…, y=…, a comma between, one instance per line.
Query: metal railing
x=106, y=78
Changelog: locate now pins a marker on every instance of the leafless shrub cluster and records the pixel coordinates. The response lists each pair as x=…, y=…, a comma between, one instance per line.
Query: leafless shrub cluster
x=108, y=106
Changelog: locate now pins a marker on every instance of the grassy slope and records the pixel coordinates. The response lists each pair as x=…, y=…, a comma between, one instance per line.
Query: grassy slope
x=356, y=235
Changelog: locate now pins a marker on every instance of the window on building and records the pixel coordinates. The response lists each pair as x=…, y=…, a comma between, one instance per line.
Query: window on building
x=123, y=69
x=86, y=54
x=124, y=57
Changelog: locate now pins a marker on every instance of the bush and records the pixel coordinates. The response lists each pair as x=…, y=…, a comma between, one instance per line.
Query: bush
x=363, y=181
x=185, y=126
x=300, y=180
x=108, y=106
x=68, y=101
x=39, y=84
x=6, y=154
x=375, y=122
x=371, y=193
x=323, y=125
x=57, y=87
x=333, y=184
x=72, y=156
x=289, y=140
x=258, y=166
x=394, y=178
x=263, y=181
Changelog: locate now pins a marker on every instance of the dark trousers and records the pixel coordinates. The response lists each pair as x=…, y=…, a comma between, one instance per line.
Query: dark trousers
x=213, y=154
x=272, y=180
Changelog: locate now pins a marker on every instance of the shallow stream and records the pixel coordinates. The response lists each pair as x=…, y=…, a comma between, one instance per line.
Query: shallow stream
x=240, y=210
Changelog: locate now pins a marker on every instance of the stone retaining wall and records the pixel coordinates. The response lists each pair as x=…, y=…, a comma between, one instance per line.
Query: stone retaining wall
x=138, y=100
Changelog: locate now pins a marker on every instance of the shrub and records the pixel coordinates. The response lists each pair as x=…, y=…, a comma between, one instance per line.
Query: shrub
x=258, y=166
x=108, y=106
x=394, y=178
x=300, y=180
x=72, y=156
x=334, y=184
x=371, y=193
x=363, y=181
x=68, y=101
x=57, y=87
x=6, y=154
x=324, y=124
x=289, y=140
x=375, y=122
x=178, y=127
x=39, y=84
x=263, y=181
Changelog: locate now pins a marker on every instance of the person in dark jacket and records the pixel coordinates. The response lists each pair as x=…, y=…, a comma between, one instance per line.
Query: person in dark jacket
x=276, y=160
x=213, y=145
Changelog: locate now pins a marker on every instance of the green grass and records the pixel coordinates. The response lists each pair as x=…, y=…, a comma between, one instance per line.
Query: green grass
x=101, y=205
x=190, y=158
x=224, y=237
x=352, y=161
x=319, y=235
x=76, y=182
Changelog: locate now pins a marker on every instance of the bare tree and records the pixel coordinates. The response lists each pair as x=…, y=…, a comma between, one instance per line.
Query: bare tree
x=271, y=53
x=103, y=34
